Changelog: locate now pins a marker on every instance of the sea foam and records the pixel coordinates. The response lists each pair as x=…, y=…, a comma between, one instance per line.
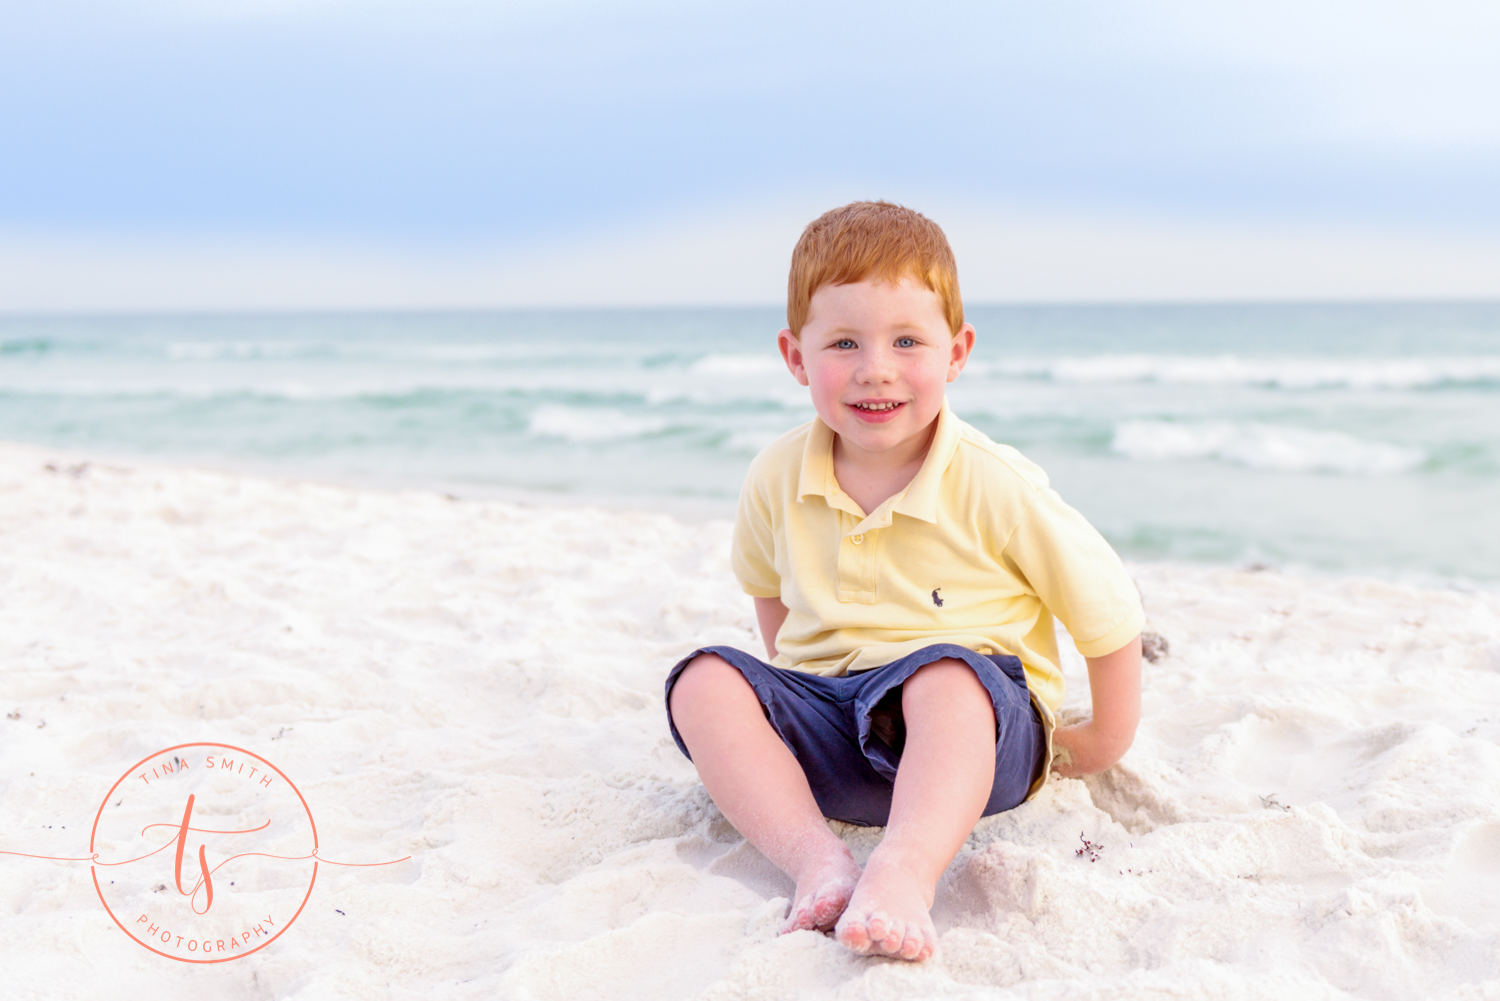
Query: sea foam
x=1277, y=373
x=580, y=424
x=1263, y=446
x=738, y=364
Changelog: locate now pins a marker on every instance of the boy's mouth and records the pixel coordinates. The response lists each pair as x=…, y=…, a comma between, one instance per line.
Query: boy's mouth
x=877, y=410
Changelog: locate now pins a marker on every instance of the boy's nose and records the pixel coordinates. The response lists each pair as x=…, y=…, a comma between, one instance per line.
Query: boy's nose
x=875, y=366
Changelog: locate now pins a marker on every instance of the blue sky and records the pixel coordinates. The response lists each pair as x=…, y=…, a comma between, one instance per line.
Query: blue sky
x=448, y=137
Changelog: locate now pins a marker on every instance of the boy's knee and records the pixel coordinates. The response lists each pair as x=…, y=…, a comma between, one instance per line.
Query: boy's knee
x=948, y=671
x=706, y=677
x=949, y=679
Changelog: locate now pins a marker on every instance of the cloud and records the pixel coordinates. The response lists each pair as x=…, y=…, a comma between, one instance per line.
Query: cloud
x=430, y=153
x=740, y=255
x=1069, y=256
x=453, y=121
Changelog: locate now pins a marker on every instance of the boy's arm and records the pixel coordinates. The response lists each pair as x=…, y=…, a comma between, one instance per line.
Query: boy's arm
x=1115, y=689
x=771, y=613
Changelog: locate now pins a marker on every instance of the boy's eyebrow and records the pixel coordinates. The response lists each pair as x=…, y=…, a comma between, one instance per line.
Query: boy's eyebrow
x=846, y=329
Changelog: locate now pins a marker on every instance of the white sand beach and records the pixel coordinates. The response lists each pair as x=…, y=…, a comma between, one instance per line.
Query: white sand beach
x=1311, y=809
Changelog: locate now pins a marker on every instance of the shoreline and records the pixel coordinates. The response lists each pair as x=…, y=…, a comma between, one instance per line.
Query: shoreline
x=689, y=510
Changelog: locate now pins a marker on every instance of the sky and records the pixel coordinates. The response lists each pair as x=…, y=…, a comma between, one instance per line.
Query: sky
x=233, y=154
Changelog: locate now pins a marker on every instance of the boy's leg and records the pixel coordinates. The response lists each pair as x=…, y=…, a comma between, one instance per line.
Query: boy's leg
x=757, y=784
x=944, y=779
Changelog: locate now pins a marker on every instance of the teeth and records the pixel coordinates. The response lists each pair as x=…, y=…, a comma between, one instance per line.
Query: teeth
x=877, y=406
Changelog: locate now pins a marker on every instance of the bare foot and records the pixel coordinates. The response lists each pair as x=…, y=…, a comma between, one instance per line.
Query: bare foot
x=823, y=892
x=888, y=914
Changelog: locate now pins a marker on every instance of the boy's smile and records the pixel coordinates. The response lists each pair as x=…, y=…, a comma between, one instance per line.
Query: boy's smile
x=877, y=358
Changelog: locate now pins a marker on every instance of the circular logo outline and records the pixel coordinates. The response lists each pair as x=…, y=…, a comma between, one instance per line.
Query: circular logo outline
x=94, y=833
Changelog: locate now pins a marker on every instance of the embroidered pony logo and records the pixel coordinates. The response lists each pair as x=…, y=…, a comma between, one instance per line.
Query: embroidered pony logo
x=935, y=599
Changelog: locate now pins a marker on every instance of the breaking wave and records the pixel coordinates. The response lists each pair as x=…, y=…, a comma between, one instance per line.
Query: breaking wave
x=1277, y=373
x=764, y=363
x=1263, y=446
x=591, y=424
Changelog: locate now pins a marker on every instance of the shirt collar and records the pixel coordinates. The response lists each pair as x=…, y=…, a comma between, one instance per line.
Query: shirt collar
x=920, y=498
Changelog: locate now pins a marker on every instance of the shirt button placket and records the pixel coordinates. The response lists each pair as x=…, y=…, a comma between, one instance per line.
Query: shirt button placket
x=867, y=565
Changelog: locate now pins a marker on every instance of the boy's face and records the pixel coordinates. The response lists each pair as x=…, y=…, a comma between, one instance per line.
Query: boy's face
x=877, y=358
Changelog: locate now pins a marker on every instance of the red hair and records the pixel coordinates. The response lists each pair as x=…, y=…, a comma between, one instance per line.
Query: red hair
x=872, y=240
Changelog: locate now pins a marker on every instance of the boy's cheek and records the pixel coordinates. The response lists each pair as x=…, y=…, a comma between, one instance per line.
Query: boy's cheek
x=826, y=387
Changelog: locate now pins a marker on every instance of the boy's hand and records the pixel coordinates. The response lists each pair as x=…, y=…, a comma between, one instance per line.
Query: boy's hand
x=1115, y=689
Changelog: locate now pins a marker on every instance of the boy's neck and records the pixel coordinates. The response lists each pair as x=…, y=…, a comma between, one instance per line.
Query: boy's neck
x=872, y=478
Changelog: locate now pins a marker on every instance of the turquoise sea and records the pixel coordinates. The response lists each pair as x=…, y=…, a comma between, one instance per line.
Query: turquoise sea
x=1331, y=437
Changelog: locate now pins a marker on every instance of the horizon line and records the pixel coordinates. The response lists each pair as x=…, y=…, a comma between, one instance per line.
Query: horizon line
x=169, y=312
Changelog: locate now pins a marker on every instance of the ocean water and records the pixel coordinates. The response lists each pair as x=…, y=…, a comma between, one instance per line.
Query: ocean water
x=1334, y=437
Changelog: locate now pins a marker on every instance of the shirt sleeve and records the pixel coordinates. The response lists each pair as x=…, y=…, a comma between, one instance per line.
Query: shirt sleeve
x=1076, y=574
x=753, y=551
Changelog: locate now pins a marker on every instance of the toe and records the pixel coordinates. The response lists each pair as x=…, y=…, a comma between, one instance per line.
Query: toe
x=852, y=934
x=912, y=945
x=826, y=910
x=894, y=933
x=929, y=943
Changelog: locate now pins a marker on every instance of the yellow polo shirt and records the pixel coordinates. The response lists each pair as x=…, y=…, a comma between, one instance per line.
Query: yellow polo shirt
x=976, y=551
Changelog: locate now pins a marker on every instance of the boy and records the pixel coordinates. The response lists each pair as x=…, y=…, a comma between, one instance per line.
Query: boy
x=905, y=571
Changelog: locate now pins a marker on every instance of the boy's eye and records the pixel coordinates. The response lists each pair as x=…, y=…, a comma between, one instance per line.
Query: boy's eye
x=906, y=342
x=845, y=343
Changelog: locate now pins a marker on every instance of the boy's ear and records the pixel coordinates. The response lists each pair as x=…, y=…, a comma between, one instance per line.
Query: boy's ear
x=791, y=353
x=963, y=344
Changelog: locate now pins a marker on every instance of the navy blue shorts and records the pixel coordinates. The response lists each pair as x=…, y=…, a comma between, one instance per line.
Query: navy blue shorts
x=847, y=733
